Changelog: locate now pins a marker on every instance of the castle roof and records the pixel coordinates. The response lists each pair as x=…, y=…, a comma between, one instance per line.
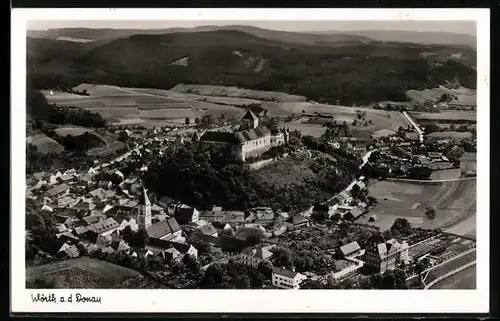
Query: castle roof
x=221, y=137
x=249, y=115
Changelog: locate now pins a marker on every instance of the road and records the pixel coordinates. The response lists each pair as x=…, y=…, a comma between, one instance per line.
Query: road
x=431, y=181
x=417, y=129
x=463, y=280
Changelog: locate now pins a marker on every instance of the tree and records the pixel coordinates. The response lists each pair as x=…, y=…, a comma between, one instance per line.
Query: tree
x=187, y=121
x=430, y=213
x=266, y=268
x=401, y=226
x=241, y=282
x=282, y=257
x=191, y=263
x=309, y=284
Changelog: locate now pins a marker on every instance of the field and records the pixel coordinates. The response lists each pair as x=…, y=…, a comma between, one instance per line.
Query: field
x=226, y=91
x=465, y=279
x=74, y=131
x=454, y=202
x=450, y=266
x=464, y=95
x=444, y=116
x=45, y=144
x=306, y=129
x=468, y=163
x=451, y=134
x=446, y=174
x=81, y=273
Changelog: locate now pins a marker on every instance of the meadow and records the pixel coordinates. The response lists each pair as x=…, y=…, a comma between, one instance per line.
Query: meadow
x=45, y=144
x=453, y=202
x=81, y=273
x=444, y=116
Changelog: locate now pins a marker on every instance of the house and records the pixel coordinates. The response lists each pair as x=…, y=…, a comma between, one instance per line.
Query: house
x=263, y=215
x=286, y=279
x=296, y=222
x=84, y=206
x=185, y=214
x=385, y=256
x=208, y=230
x=212, y=216
x=280, y=230
x=47, y=208
x=68, y=251
x=92, y=219
x=98, y=193
x=350, y=250
x=254, y=257
x=58, y=191
x=67, y=201
x=161, y=245
x=71, y=171
x=104, y=227
x=234, y=217
x=167, y=229
x=120, y=246
x=67, y=237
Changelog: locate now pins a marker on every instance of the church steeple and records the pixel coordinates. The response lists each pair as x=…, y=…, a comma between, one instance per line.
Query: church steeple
x=144, y=210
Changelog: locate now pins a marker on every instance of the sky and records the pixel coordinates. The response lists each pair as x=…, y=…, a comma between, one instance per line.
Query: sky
x=463, y=27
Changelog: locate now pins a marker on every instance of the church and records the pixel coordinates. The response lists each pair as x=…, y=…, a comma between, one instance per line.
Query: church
x=251, y=140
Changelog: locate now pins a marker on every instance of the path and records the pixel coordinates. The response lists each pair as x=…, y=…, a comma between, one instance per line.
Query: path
x=430, y=181
x=417, y=128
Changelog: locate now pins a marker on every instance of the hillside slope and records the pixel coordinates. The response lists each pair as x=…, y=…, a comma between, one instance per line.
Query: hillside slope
x=359, y=73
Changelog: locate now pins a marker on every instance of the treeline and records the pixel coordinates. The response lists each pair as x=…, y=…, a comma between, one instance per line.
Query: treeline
x=37, y=161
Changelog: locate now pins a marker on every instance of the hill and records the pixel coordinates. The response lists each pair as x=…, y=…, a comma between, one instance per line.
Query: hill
x=419, y=37
x=111, y=34
x=359, y=73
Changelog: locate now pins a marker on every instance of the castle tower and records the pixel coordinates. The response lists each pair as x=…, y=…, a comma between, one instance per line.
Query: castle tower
x=144, y=211
x=249, y=120
x=286, y=135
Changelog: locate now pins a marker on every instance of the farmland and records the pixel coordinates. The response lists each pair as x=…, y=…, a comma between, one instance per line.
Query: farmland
x=74, y=131
x=45, y=144
x=463, y=95
x=451, y=134
x=81, y=273
x=468, y=163
x=453, y=202
x=445, y=116
x=227, y=91
x=465, y=279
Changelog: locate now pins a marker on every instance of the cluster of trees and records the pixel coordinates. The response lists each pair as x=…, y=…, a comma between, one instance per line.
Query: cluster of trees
x=37, y=161
x=40, y=225
x=233, y=275
x=79, y=144
x=207, y=176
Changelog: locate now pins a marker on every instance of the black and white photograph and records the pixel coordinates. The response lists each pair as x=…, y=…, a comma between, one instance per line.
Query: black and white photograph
x=290, y=155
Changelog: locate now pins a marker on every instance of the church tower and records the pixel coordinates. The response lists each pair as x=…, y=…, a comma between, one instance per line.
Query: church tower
x=144, y=208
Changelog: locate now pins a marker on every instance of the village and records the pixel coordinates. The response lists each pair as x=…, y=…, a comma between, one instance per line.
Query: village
x=103, y=213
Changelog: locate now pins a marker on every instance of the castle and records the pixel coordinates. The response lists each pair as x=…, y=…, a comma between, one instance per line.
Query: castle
x=251, y=140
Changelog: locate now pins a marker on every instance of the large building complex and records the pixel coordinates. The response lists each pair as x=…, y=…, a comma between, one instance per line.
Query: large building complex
x=251, y=140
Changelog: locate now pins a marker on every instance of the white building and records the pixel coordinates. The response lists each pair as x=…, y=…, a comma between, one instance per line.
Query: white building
x=286, y=279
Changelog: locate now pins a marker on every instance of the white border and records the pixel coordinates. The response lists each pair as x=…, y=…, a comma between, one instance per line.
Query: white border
x=225, y=301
